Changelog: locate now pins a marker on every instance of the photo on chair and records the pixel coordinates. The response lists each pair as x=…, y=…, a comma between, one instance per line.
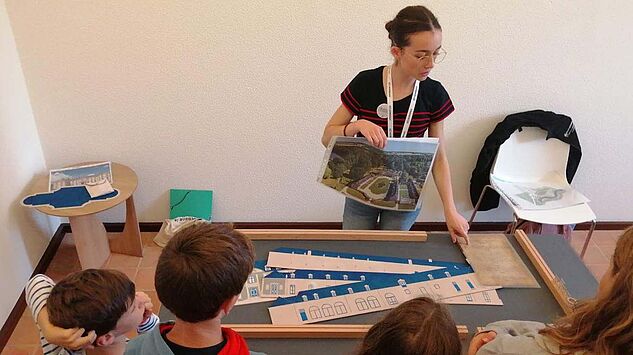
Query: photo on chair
x=536, y=196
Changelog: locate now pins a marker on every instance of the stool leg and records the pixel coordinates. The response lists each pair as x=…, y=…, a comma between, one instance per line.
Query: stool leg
x=91, y=241
x=129, y=241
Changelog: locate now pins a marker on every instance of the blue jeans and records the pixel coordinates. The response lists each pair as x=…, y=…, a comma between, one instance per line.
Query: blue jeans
x=360, y=216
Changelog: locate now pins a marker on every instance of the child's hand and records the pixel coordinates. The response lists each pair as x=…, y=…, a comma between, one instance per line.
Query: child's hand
x=66, y=338
x=144, y=299
x=480, y=340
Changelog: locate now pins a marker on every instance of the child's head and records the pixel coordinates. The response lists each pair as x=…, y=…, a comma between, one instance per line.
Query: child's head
x=603, y=325
x=618, y=280
x=99, y=300
x=416, y=41
x=202, y=270
x=417, y=327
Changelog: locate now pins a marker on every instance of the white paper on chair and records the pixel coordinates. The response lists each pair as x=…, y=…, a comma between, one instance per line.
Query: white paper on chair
x=551, y=193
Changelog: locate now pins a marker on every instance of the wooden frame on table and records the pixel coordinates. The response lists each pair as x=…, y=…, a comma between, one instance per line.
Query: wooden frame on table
x=314, y=331
x=334, y=234
x=553, y=283
x=322, y=331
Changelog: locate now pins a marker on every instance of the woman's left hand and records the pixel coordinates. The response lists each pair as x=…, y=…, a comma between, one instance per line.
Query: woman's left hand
x=457, y=226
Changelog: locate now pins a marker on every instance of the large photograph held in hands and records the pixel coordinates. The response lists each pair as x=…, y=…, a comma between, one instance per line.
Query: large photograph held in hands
x=390, y=178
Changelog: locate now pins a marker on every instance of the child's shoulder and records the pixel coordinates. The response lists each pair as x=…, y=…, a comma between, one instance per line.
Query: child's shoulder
x=151, y=342
x=39, y=280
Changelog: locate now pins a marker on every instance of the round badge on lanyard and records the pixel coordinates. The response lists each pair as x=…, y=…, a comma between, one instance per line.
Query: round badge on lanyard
x=407, y=121
x=383, y=110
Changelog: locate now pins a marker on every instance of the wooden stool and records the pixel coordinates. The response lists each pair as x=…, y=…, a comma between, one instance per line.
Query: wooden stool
x=89, y=233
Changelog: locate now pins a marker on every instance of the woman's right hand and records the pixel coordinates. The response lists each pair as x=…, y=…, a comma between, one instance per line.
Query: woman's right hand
x=372, y=132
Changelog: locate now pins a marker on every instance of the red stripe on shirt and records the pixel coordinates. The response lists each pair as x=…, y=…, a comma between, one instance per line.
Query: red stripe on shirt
x=350, y=103
x=441, y=108
x=448, y=109
x=415, y=113
x=445, y=114
x=349, y=93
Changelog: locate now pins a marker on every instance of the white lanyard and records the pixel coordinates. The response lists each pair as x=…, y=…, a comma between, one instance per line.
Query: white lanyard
x=407, y=121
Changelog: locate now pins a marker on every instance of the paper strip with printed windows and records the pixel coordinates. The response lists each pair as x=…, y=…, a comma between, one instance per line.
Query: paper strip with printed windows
x=378, y=294
x=252, y=290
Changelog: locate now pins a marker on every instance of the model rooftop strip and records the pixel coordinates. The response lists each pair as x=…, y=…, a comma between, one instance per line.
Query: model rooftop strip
x=350, y=275
x=389, y=259
x=376, y=283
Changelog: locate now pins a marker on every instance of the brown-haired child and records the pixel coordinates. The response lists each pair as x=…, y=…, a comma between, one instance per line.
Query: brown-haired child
x=417, y=327
x=102, y=301
x=199, y=276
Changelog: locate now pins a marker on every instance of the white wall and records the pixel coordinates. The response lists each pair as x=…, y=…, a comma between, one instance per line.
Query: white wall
x=233, y=96
x=24, y=233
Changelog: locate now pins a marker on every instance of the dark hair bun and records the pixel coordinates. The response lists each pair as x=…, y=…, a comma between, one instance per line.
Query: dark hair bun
x=410, y=20
x=389, y=26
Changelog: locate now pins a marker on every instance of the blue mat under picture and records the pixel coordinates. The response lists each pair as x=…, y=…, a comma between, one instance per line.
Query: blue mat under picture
x=65, y=197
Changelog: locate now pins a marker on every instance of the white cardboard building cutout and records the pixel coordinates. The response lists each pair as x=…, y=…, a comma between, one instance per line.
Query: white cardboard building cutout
x=337, y=302
x=286, y=283
x=306, y=259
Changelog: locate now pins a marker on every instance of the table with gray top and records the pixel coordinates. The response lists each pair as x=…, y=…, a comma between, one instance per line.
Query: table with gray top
x=536, y=304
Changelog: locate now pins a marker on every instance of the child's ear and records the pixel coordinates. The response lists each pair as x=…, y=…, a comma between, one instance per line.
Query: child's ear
x=105, y=339
x=227, y=306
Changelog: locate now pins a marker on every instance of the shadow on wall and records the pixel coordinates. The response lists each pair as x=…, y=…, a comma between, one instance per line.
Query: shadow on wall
x=156, y=207
x=468, y=139
x=34, y=228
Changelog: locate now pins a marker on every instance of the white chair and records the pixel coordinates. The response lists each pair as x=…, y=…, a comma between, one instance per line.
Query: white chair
x=528, y=157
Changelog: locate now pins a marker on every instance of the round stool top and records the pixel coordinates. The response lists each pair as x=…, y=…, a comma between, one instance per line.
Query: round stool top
x=124, y=179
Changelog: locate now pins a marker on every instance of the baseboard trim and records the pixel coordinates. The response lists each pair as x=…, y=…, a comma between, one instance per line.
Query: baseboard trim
x=419, y=226
x=42, y=265
x=51, y=250
x=423, y=226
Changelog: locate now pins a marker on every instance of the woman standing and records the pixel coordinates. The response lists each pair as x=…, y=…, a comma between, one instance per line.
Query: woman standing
x=400, y=100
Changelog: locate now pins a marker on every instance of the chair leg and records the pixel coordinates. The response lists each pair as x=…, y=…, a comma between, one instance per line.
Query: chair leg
x=481, y=197
x=587, y=239
x=515, y=222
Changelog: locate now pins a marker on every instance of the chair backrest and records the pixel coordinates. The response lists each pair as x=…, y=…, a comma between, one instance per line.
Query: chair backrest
x=527, y=156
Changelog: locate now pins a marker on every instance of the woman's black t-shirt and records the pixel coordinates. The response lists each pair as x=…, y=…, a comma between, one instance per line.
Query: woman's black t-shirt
x=366, y=92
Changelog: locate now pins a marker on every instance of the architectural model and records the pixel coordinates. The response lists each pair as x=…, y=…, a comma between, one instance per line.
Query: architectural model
x=252, y=290
x=378, y=294
x=320, y=285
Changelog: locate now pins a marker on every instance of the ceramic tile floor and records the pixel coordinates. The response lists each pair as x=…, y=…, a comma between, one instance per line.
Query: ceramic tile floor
x=25, y=338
